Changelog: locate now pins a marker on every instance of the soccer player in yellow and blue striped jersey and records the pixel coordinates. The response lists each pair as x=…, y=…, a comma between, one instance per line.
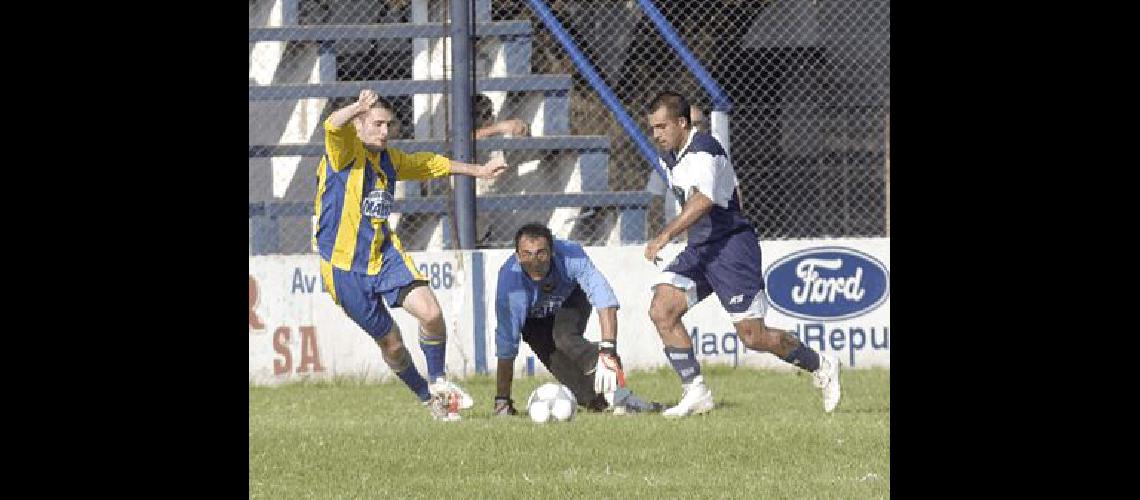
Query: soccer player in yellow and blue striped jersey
x=362, y=259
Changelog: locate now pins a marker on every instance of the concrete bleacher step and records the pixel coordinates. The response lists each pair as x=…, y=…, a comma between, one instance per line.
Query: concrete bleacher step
x=493, y=202
x=591, y=164
x=631, y=223
x=524, y=83
x=328, y=32
x=580, y=143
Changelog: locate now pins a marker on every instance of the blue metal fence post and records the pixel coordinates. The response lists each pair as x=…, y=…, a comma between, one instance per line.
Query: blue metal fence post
x=461, y=131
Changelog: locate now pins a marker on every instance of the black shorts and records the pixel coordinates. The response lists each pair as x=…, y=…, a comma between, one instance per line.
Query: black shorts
x=559, y=343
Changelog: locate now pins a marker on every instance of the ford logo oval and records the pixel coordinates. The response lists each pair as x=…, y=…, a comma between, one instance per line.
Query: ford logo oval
x=827, y=283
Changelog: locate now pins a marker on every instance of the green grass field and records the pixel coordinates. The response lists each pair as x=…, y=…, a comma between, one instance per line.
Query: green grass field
x=767, y=438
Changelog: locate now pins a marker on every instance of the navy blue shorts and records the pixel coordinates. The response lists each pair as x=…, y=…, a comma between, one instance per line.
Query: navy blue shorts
x=359, y=294
x=729, y=267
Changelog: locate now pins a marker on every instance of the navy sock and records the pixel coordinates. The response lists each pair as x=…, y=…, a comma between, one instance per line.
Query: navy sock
x=684, y=362
x=804, y=357
x=415, y=382
x=434, y=351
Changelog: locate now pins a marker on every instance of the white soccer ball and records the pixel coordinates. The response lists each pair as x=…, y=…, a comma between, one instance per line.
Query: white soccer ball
x=539, y=413
x=551, y=400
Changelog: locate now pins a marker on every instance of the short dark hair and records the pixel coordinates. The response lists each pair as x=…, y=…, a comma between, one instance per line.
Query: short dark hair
x=675, y=103
x=534, y=230
x=383, y=103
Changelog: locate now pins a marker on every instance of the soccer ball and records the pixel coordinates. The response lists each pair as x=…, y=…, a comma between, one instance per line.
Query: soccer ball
x=549, y=401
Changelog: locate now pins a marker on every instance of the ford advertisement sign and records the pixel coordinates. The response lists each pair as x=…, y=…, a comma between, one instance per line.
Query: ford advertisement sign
x=827, y=283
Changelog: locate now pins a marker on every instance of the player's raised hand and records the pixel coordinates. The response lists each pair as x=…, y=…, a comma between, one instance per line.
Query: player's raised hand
x=492, y=169
x=366, y=99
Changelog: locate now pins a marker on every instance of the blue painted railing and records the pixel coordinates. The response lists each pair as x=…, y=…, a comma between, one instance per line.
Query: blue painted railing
x=720, y=99
x=608, y=97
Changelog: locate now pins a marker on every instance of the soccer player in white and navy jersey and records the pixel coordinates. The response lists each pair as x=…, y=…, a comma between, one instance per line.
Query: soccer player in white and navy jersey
x=722, y=255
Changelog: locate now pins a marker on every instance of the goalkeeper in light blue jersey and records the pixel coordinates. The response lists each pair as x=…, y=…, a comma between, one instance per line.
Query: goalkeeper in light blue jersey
x=544, y=296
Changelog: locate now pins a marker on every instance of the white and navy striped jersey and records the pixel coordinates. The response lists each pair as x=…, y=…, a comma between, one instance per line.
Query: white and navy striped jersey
x=703, y=165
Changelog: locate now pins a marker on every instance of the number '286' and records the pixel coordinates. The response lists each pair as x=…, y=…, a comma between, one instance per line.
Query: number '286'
x=440, y=275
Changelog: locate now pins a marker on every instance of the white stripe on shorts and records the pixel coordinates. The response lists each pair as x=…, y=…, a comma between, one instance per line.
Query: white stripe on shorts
x=686, y=284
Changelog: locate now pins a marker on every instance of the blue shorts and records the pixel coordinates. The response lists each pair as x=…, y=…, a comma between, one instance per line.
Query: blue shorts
x=730, y=267
x=359, y=294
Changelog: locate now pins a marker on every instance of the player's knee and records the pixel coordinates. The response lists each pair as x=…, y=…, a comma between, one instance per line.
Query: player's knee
x=662, y=316
x=431, y=319
x=664, y=312
x=420, y=302
x=569, y=342
x=430, y=312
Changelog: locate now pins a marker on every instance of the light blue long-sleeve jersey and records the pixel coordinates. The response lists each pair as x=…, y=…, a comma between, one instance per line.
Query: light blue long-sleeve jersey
x=518, y=297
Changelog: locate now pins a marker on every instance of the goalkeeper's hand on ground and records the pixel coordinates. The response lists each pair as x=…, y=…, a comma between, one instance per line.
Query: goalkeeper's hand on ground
x=505, y=406
x=608, y=374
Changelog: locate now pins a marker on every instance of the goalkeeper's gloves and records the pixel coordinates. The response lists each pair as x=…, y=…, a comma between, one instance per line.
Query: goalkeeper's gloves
x=608, y=374
x=505, y=406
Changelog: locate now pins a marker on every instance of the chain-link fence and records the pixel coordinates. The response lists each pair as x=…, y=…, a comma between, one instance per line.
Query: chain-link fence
x=809, y=84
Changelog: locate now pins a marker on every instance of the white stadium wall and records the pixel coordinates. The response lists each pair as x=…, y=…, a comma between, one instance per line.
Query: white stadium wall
x=834, y=294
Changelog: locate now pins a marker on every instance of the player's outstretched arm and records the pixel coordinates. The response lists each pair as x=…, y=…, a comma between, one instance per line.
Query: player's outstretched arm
x=427, y=165
x=695, y=207
x=513, y=127
x=490, y=170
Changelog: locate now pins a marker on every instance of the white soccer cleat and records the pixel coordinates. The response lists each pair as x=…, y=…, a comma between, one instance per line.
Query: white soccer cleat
x=443, y=385
x=695, y=400
x=827, y=378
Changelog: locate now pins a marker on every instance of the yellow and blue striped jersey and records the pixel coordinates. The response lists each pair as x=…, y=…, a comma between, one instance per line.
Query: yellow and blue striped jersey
x=355, y=190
